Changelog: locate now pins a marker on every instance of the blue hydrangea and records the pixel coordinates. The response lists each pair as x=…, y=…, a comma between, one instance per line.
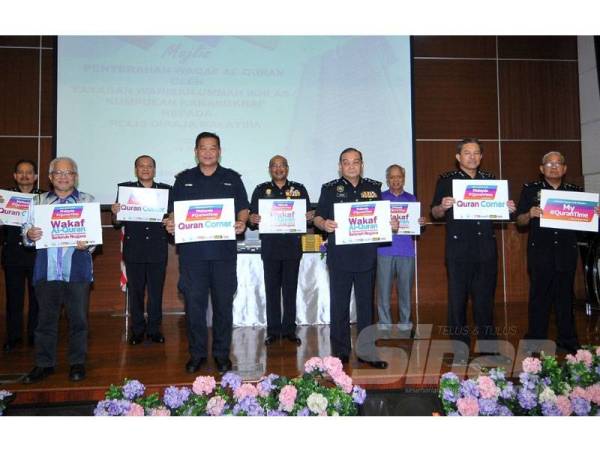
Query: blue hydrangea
x=133, y=389
x=175, y=398
x=4, y=394
x=250, y=406
x=550, y=409
x=497, y=375
x=112, y=408
x=266, y=385
x=232, y=380
x=598, y=370
x=581, y=407
x=304, y=412
x=527, y=399
x=503, y=410
x=508, y=391
x=358, y=395
x=487, y=406
x=449, y=395
x=528, y=381
x=450, y=376
x=276, y=412
x=469, y=388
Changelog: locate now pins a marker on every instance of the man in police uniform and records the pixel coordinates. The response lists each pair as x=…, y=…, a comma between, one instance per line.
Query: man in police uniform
x=280, y=253
x=551, y=258
x=18, y=261
x=471, y=254
x=145, y=252
x=348, y=265
x=209, y=266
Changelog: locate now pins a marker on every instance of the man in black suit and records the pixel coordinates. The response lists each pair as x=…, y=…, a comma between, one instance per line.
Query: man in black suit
x=145, y=250
x=17, y=261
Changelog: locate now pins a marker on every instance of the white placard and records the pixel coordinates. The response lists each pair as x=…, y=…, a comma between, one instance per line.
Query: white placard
x=480, y=199
x=14, y=209
x=204, y=220
x=142, y=204
x=408, y=214
x=569, y=210
x=362, y=222
x=63, y=225
x=282, y=215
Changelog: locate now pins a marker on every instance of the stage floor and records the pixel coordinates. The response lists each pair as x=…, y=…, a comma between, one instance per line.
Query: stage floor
x=413, y=362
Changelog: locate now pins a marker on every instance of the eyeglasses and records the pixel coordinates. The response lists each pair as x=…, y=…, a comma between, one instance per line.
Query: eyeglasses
x=63, y=173
x=553, y=164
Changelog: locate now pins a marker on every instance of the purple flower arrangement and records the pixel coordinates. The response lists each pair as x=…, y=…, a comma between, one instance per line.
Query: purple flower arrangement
x=544, y=388
x=324, y=389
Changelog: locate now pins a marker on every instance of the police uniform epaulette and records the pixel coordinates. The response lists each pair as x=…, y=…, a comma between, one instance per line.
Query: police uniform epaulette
x=486, y=174
x=536, y=184
x=295, y=183
x=373, y=182
x=164, y=186
x=331, y=183
x=178, y=174
x=573, y=187
x=450, y=174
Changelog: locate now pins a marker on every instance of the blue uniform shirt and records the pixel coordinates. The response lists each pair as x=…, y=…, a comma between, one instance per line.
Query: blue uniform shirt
x=192, y=184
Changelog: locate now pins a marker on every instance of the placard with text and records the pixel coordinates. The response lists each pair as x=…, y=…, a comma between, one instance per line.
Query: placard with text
x=408, y=214
x=282, y=215
x=569, y=210
x=142, y=204
x=480, y=199
x=64, y=225
x=362, y=222
x=204, y=220
x=14, y=207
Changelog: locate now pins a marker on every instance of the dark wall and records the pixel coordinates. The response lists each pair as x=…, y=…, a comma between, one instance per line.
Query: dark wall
x=518, y=94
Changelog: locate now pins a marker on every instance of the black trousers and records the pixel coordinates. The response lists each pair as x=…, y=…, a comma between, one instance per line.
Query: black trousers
x=140, y=276
x=198, y=280
x=281, y=280
x=340, y=290
x=15, y=278
x=551, y=288
x=52, y=295
x=477, y=280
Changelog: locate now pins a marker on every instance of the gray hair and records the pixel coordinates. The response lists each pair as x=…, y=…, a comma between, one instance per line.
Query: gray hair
x=395, y=166
x=62, y=158
x=547, y=156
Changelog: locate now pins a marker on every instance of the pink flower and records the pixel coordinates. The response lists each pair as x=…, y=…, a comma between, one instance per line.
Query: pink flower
x=314, y=363
x=597, y=351
x=584, y=356
x=287, y=397
x=564, y=405
x=571, y=359
x=487, y=387
x=204, y=385
x=532, y=365
x=245, y=390
x=343, y=381
x=594, y=393
x=468, y=406
x=580, y=392
x=215, y=406
x=160, y=411
x=333, y=365
x=135, y=410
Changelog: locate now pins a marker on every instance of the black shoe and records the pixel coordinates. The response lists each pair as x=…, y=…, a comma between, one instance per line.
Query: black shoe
x=157, y=337
x=136, y=339
x=377, y=364
x=77, y=372
x=37, y=374
x=293, y=338
x=9, y=346
x=223, y=364
x=193, y=365
x=563, y=347
x=271, y=339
